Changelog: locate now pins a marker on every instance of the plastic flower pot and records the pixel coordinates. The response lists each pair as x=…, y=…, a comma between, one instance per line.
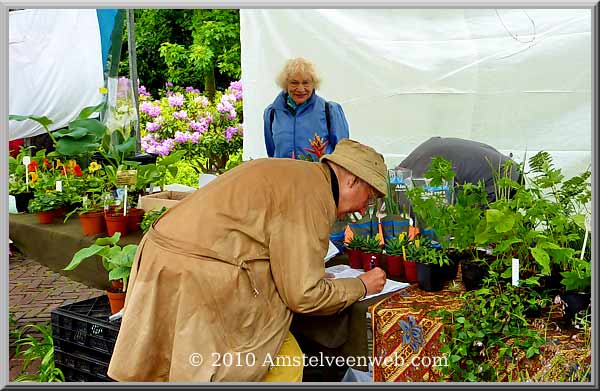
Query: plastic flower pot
x=370, y=261
x=134, y=218
x=115, y=222
x=116, y=300
x=92, y=223
x=355, y=258
x=575, y=302
x=22, y=200
x=473, y=275
x=430, y=277
x=395, y=265
x=410, y=271
x=60, y=212
x=45, y=217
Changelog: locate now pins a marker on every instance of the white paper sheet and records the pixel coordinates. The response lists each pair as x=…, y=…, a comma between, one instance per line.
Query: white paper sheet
x=331, y=251
x=345, y=271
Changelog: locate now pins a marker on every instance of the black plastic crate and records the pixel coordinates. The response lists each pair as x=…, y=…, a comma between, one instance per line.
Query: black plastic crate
x=78, y=366
x=86, y=324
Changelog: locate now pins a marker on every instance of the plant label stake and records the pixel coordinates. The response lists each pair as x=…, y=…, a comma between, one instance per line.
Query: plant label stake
x=26, y=161
x=59, y=185
x=587, y=232
x=126, y=178
x=515, y=271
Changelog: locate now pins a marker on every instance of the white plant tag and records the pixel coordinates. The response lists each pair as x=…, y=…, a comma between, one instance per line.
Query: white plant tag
x=515, y=271
x=26, y=160
x=58, y=185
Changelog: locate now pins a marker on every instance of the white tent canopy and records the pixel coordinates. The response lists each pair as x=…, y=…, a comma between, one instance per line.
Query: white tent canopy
x=519, y=80
x=55, y=66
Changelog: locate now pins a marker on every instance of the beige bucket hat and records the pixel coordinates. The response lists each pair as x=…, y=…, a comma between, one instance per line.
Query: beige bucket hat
x=362, y=161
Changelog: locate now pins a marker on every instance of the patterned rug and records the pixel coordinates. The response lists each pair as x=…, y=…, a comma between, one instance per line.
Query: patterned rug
x=406, y=345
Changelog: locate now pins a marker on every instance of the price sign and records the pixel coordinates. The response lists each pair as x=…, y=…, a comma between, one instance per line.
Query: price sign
x=126, y=177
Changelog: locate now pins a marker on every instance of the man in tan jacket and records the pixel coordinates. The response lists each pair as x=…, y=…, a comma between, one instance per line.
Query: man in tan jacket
x=217, y=278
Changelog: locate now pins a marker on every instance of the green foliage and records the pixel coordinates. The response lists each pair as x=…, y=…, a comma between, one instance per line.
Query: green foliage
x=150, y=218
x=394, y=246
x=186, y=175
x=190, y=47
x=491, y=322
x=432, y=256
x=356, y=243
x=579, y=278
x=372, y=245
x=44, y=202
x=116, y=260
x=439, y=171
x=31, y=349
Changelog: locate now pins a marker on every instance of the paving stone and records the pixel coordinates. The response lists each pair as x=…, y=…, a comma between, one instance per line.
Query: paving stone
x=34, y=291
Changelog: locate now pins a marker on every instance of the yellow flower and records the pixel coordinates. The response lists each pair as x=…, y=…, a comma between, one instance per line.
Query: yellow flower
x=103, y=90
x=34, y=177
x=59, y=164
x=94, y=167
x=72, y=163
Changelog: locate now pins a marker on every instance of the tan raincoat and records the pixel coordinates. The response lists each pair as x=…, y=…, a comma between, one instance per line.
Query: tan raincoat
x=220, y=274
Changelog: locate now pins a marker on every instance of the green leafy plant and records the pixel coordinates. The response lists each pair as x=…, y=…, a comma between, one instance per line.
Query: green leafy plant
x=32, y=349
x=44, y=202
x=490, y=323
x=579, y=278
x=432, y=256
x=150, y=218
x=116, y=260
x=356, y=243
x=397, y=246
x=372, y=245
x=440, y=171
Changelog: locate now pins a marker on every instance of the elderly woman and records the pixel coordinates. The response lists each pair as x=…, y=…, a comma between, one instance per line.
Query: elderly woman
x=298, y=113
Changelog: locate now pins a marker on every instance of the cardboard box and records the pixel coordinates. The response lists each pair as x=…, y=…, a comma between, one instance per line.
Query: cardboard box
x=168, y=199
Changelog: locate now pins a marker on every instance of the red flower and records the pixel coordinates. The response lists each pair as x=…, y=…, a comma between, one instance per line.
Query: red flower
x=64, y=171
x=46, y=163
x=32, y=166
x=318, y=146
x=77, y=170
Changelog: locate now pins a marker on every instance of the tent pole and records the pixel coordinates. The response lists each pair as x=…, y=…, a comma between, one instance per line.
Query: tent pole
x=133, y=75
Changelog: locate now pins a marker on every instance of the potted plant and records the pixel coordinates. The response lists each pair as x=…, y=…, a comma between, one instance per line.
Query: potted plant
x=44, y=205
x=17, y=183
x=91, y=216
x=372, y=251
x=473, y=273
x=116, y=221
x=577, y=284
x=411, y=254
x=430, y=271
x=354, y=249
x=116, y=260
x=394, y=255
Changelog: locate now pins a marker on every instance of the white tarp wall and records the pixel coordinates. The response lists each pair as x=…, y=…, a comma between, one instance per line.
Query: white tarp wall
x=55, y=66
x=519, y=80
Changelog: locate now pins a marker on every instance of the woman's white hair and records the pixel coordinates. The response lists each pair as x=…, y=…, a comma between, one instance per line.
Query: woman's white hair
x=297, y=65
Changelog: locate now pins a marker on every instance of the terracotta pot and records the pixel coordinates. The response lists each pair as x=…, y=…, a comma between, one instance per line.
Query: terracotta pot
x=371, y=260
x=117, y=284
x=410, y=271
x=116, y=300
x=115, y=223
x=355, y=258
x=60, y=212
x=395, y=265
x=45, y=217
x=92, y=223
x=134, y=218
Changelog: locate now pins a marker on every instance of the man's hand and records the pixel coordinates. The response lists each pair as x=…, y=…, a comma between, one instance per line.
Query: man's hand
x=374, y=280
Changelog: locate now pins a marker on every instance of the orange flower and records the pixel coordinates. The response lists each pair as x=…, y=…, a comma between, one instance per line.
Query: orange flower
x=32, y=166
x=46, y=163
x=34, y=177
x=318, y=146
x=77, y=170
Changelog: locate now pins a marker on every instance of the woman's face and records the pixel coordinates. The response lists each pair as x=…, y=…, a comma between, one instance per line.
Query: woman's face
x=300, y=87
